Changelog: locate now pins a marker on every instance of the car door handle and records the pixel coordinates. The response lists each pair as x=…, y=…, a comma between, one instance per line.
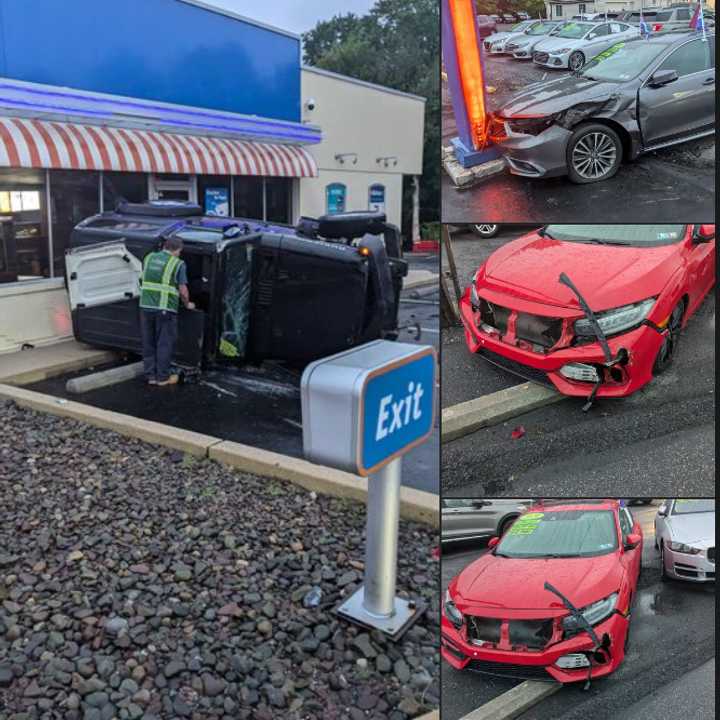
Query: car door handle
x=709, y=81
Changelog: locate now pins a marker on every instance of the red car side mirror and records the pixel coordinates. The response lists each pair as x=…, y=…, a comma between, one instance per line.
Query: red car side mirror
x=632, y=541
x=705, y=233
x=493, y=542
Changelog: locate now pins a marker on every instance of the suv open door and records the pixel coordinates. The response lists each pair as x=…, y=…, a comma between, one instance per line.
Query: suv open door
x=103, y=283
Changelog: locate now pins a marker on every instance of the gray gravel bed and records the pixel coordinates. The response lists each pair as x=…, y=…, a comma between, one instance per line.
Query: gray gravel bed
x=140, y=582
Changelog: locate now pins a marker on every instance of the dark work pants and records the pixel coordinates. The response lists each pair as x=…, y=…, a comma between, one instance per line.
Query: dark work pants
x=159, y=333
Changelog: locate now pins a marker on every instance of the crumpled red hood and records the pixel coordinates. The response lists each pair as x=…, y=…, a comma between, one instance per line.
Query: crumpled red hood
x=608, y=276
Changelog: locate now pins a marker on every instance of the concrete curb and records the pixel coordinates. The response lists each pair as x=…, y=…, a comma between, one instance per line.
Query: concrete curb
x=153, y=432
x=432, y=715
x=56, y=367
x=514, y=702
x=494, y=408
x=415, y=505
x=422, y=279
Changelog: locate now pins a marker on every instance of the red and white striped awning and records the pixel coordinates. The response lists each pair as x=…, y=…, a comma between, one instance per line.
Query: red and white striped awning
x=33, y=143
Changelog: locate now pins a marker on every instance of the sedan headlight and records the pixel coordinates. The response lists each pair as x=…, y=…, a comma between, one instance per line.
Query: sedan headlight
x=683, y=548
x=560, y=51
x=594, y=614
x=451, y=611
x=530, y=125
x=617, y=320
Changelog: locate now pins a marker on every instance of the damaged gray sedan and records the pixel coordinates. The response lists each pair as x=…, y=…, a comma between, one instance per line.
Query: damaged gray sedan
x=636, y=96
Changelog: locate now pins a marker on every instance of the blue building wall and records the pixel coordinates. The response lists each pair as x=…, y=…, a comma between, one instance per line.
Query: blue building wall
x=163, y=50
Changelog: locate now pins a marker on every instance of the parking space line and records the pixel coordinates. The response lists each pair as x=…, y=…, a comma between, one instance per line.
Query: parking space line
x=514, y=702
x=494, y=408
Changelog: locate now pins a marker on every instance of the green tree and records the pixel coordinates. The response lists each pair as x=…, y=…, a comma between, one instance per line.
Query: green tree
x=397, y=45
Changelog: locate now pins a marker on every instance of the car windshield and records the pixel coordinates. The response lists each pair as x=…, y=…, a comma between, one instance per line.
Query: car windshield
x=622, y=62
x=694, y=505
x=542, y=29
x=574, y=30
x=664, y=15
x=560, y=533
x=520, y=26
x=632, y=235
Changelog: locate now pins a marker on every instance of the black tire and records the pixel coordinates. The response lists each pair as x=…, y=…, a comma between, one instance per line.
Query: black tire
x=668, y=350
x=576, y=61
x=594, y=153
x=485, y=230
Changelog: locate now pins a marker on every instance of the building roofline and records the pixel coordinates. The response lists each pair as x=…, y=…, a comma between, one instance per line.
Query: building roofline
x=355, y=81
x=237, y=16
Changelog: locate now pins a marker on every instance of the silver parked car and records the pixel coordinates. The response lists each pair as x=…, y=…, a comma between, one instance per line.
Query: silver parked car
x=578, y=42
x=475, y=518
x=521, y=47
x=685, y=537
x=495, y=44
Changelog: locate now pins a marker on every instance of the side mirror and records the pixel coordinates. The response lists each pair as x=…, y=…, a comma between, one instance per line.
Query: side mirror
x=592, y=36
x=662, y=511
x=632, y=541
x=493, y=542
x=704, y=233
x=662, y=77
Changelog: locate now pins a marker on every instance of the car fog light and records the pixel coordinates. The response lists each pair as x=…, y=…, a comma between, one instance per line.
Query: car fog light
x=572, y=662
x=580, y=371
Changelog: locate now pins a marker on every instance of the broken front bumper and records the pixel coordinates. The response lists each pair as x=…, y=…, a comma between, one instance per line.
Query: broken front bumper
x=642, y=346
x=538, y=664
x=542, y=155
x=695, y=568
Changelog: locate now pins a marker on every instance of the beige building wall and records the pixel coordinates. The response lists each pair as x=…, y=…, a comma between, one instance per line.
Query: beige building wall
x=371, y=135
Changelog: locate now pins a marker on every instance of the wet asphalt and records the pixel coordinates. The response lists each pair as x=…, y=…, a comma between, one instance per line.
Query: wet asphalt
x=261, y=406
x=669, y=185
x=659, y=440
x=672, y=646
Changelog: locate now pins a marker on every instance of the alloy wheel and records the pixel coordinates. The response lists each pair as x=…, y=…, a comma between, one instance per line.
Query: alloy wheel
x=576, y=61
x=594, y=155
x=667, y=349
x=485, y=230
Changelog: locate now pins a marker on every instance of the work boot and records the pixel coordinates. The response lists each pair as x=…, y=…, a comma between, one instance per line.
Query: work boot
x=172, y=380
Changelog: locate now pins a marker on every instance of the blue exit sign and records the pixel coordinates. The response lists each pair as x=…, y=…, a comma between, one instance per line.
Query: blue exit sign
x=397, y=410
x=364, y=407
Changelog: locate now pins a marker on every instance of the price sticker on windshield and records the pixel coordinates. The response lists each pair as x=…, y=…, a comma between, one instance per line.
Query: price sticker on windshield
x=610, y=51
x=526, y=524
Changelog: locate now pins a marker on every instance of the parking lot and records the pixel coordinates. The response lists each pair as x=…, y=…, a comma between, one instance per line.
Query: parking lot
x=661, y=439
x=668, y=671
x=655, y=187
x=261, y=406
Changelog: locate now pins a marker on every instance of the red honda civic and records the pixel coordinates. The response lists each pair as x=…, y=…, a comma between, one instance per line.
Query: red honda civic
x=551, y=599
x=593, y=310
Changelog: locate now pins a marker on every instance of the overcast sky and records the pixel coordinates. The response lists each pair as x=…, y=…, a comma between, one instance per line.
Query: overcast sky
x=297, y=16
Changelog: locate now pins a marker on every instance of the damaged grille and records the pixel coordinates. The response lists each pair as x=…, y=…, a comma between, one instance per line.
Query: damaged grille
x=533, y=634
x=523, y=672
x=535, y=329
x=484, y=629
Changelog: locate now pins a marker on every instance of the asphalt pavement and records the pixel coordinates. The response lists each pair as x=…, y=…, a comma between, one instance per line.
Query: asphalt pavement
x=261, y=406
x=669, y=668
x=668, y=185
x=659, y=440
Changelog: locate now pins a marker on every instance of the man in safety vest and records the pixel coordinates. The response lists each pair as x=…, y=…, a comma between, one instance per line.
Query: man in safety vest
x=164, y=286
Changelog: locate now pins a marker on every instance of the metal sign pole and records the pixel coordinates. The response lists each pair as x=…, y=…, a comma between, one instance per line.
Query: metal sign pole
x=382, y=538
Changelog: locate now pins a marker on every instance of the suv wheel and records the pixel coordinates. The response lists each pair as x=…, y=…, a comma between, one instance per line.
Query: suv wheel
x=486, y=231
x=594, y=153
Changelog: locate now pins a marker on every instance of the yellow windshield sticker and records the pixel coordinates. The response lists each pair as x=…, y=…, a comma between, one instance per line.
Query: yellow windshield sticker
x=526, y=524
x=610, y=51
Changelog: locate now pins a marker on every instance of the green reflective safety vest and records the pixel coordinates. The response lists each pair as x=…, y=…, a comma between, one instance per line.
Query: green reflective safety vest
x=159, y=289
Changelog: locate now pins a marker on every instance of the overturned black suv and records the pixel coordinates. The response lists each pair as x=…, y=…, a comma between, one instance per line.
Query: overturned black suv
x=261, y=291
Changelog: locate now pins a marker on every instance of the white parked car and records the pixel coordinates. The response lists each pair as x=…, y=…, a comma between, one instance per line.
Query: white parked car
x=685, y=537
x=577, y=42
x=521, y=47
x=495, y=44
